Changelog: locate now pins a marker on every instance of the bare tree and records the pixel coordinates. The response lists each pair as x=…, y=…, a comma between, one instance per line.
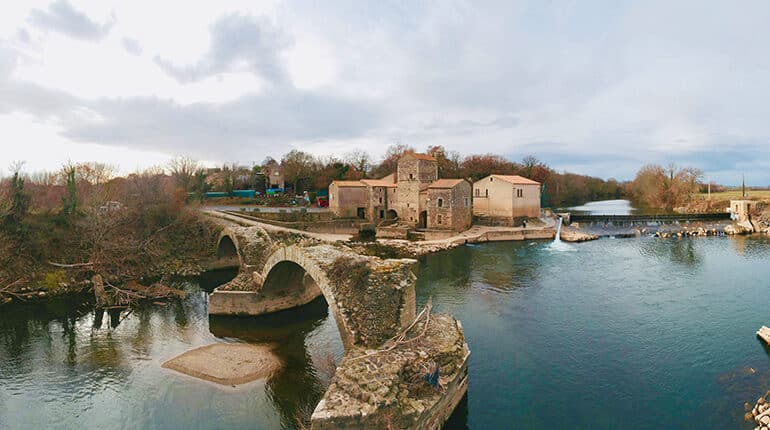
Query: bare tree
x=183, y=170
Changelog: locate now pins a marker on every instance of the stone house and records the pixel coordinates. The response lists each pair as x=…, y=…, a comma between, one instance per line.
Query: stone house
x=348, y=199
x=505, y=198
x=449, y=205
x=414, y=195
x=274, y=176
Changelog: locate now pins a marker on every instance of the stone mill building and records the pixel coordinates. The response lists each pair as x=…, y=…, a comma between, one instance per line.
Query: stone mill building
x=414, y=194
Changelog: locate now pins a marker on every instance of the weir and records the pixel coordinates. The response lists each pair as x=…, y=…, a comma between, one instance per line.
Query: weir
x=660, y=219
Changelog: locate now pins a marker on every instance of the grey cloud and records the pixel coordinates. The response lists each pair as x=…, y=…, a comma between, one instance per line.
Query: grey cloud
x=238, y=43
x=250, y=124
x=63, y=18
x=131, y=46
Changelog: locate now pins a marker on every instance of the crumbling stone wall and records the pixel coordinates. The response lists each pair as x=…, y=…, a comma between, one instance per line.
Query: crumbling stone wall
x=391, y=387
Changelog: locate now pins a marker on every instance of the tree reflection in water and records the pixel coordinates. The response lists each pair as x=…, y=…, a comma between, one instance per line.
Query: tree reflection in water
x=298, y=387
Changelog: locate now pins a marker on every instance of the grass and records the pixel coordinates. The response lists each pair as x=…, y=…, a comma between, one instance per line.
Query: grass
x=737, y=195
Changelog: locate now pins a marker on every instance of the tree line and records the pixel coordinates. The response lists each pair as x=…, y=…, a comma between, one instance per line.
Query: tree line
x=306, y=172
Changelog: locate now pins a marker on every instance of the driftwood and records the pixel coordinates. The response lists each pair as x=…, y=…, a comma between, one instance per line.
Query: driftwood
x=110, y=296
x=70, y=266
x=401, y=339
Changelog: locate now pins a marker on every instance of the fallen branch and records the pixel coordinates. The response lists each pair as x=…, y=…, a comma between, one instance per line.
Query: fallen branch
x=70, y=266
x=401, y=339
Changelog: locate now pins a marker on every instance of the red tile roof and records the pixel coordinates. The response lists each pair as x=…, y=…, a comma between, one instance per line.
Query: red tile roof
x=446, y=183
x=378, y=183
x=348, y=184
x=419, y=156
x=516, y=179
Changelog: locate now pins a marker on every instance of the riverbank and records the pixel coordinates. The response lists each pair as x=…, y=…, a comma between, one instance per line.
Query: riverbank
x=45, y=257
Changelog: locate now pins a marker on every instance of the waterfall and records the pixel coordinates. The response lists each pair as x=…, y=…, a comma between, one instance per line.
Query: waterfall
x=557, y=239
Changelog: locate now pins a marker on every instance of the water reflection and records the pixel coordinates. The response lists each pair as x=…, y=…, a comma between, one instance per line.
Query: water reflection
x=298, y=387
x=683, y=251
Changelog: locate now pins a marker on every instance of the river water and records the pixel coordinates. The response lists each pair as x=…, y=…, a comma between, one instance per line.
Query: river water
x=636, y=333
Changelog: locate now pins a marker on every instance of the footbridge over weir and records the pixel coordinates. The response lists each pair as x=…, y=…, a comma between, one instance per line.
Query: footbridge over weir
x=651, y=218
x=390, y=352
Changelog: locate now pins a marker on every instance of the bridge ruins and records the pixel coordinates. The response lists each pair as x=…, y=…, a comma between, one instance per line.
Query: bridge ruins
x=399, y=370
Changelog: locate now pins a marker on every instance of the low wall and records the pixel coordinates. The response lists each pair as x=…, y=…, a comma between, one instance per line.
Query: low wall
x=333, y=226
x=514, y=235
x=392, y=232
x=438, y=234
x=491, y=221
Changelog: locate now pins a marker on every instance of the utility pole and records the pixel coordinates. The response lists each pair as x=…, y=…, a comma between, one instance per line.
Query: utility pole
x=743, y=186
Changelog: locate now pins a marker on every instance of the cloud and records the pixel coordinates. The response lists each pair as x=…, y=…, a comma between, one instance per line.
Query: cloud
x=592, y=87
x=238, y=43
x=63, y=18
x=247, y=125
x=131, y=46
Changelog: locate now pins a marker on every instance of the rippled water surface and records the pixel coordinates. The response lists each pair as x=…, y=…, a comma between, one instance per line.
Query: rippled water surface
x=616, y=333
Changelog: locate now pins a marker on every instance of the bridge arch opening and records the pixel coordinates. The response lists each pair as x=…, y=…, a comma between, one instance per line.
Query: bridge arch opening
x=287, y=279
x=226, y=248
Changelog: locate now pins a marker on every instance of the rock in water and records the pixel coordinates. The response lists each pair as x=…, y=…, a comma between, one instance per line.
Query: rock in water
x=227, y=363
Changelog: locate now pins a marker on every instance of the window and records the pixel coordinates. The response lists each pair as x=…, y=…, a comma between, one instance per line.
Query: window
x=438, y=219
x=466, y=201
x=440, y=202
x=486, y=194
x=382, y=214
x=380, y=200
x=519, y=193
x=491, y=179
x=478, y=192
x=411, y=176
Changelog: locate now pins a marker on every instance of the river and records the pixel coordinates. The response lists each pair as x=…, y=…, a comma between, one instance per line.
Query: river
x=639, y=333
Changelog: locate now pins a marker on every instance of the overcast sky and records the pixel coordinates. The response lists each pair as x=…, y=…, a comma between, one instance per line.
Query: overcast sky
x=592, y=87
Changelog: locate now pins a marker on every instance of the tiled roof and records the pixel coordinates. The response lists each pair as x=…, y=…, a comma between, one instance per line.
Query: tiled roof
x=378, y=183
x=445, y=183
x=419, y=156
x=516, y=179
x=349, y=184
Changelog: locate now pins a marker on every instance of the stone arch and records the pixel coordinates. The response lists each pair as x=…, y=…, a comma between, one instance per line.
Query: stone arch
x=226, y=247
x=391, y=214
x=251, y=245
x=308, y=281
x=276, y=277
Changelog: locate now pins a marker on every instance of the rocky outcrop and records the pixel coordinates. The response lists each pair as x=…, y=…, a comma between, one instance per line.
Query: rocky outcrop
x=759, y=413
x=739, y=228
x=569, y=234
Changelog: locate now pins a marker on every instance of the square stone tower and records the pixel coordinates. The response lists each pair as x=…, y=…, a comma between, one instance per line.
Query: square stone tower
x=415, y=173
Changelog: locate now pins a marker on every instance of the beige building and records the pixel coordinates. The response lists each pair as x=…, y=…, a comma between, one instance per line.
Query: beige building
x=274, y=176
x=414, y=195
x=506, y=197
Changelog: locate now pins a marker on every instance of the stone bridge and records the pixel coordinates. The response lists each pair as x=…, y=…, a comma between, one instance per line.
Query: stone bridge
x=371, y=299
x=390, y=352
